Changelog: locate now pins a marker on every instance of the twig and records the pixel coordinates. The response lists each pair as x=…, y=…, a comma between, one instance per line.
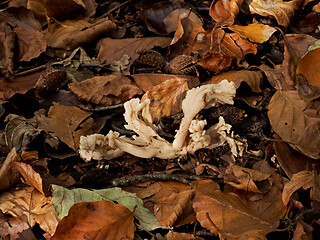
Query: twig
x=32, y=70
x=156, y=177
x=102, y=109
x=115, y=8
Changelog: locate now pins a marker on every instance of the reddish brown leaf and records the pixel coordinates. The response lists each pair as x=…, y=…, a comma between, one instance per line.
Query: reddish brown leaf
x=67, y=123
x=15, y=228
x=7, y=177
x=169, y=210
x=166, y=98
x=30, y=205
x=8, y=49
x=113, y=49
x=31, y=44
x=225, y=12
x=96, y=220
x=105, y=90
x=65, y=7
x=71, y=34
x=294, y=122
x=181, y=236
x=37, y=8
x=217, y=62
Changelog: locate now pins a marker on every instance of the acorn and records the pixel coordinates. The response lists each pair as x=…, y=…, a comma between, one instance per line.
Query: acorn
x=50, y=82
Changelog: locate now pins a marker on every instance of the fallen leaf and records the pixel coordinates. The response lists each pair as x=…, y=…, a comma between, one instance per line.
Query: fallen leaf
x=66, y=7
x=37, y=8
x=224, y=12
x=96, y=220
x=280, y=10
x=217, y=62
x=255, y=32
x=31, y=43
x=175, y=208
x=105, y=90
x=181, y=236
x=309, y=66
x=71, y=34
x=8, y=51
x=166, y=98
x=247, y=179
x=229, y=216
x=68, y=123
x=7, y=177
x=15, y=228
x=294, y=122
x=22, y=17
x=111, y=50
x=304, y=179
x=31, y=206
x=30, y=176
x=155, y=15
x=63, y=199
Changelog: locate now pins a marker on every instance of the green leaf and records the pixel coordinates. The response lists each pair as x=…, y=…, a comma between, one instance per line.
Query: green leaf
x=63, y=199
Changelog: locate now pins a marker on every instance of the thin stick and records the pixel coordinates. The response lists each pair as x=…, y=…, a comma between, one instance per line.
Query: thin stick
x=102, y=109
x=32, y=70
x=115, y=8
x=156, y=177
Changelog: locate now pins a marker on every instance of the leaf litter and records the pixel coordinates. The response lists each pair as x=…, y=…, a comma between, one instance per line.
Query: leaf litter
x=159, y=120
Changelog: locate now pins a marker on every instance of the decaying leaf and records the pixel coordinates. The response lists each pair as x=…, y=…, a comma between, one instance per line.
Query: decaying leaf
x=304, y=179
x=65, y=7
x=189, y=138
x=111, y=50
x=105, y=90
x=63, y=199
x=15, y=228
x=96, y=220
x=8, y=51
x=283, y=11
x=166, y=98
x=255, y=32
x=31, y=206
x=181, y=236
x=71, y=34
x=294, y=122
x=225, y=12
x=7, y=176
x=217, y=62
x=176, y=206
x=68, y=123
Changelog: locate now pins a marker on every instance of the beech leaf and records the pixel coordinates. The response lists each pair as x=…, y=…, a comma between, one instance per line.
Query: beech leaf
x=7, y=176
x=63, y=199
x=96, y=220
x=225, y=12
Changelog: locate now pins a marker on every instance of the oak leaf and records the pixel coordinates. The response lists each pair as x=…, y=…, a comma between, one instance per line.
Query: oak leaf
x=105, y=90
x=255, y=32
x=166, y=98
x=68, y=123
x=282, y=11
x=96, y=220
x=31, y=206
x=225, y=12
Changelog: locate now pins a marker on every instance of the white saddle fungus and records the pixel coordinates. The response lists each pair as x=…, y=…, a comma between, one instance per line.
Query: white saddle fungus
x=147, y=143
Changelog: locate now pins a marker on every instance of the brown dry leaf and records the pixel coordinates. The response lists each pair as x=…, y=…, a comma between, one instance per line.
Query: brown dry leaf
x=217, y=62
x=155, y=15
x=105, y=90
x=309, y=66
x=31, y=206
x=252, y=78
x=181, y=236
x=37, y=8
x=7, y=177
x=294, y=122
x=61, y=8
x=301, y=234
x=247, y=179
x=71, y=34
x=292, y=161
x=96, y=220
x=18, y=85
x=30, y=176
x=8, y=51
x=22, y=17
x=230, y=216
x=304, y=179
x=175, y=210
x=111, y=50
x=255, y=32
x=282, y=11
x=31, y=43
x=166, y=98
x=225, y=12
x=67, y=123
x=15, y=228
